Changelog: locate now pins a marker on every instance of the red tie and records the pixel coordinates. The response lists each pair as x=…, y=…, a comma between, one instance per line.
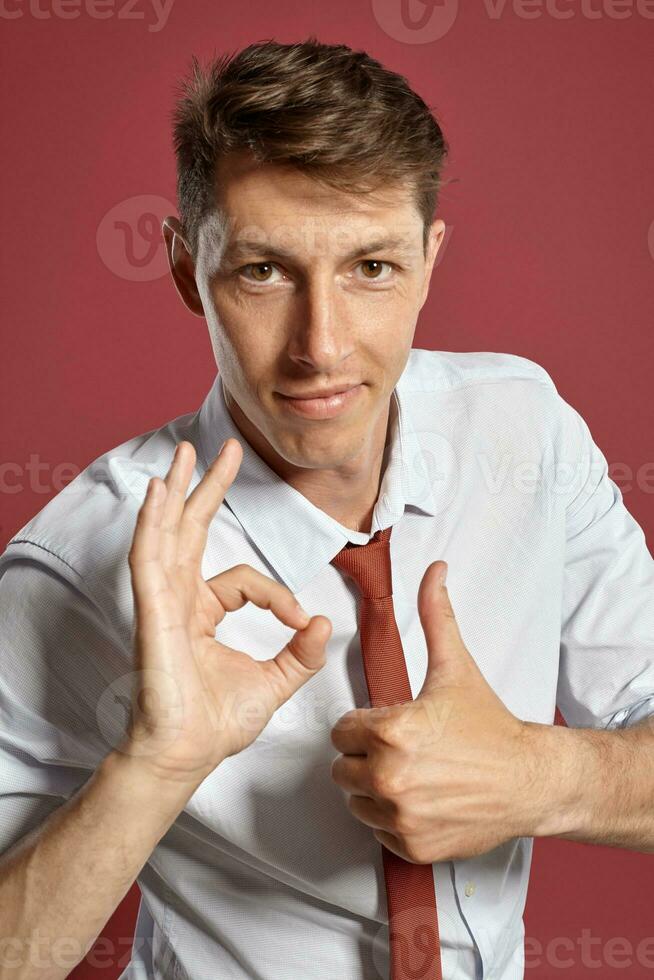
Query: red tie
x=412, y=916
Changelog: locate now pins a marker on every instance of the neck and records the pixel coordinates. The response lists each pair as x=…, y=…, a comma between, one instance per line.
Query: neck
x=347, y=493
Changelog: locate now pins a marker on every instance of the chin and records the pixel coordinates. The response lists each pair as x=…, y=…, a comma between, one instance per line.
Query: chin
x=323, y=455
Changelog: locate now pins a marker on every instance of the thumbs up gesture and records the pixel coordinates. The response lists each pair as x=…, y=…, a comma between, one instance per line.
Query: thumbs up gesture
x=452, y=773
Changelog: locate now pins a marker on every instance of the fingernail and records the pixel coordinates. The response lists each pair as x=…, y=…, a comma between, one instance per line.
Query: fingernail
x=443, y=576
x=221, y=449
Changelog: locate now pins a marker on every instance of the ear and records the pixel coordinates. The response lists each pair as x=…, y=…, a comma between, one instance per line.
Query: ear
x=181, y=265
x=436, y=236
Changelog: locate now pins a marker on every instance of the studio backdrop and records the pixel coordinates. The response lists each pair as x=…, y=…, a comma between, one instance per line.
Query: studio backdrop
x=549, y=254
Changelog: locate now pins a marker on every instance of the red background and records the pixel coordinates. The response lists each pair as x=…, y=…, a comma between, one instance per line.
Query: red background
x=550, y=254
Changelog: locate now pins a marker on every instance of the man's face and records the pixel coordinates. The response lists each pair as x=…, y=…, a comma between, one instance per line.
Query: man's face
x=305, y=288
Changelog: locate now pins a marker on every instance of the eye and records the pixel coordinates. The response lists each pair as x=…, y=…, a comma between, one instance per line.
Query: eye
x=373, y=270
x=261, y=272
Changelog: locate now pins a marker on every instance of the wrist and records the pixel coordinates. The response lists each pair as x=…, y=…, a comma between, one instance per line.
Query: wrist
x=567, y=778
x=136, y=779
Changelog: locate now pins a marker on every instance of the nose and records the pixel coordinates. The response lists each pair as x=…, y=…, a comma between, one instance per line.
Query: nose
x=322, y=337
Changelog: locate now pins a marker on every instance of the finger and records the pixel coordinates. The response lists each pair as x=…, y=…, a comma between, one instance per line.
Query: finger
x=368, y=811
x=242, y=583
x=390, y=841
x=351, y=733
x=144, y=555
x=438, y=618
x=352, y=773
x=177, y=481
x=298, y=661
x=203, y=502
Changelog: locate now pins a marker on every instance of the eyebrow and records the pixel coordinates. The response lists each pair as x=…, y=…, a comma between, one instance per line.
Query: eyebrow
x=241, y=246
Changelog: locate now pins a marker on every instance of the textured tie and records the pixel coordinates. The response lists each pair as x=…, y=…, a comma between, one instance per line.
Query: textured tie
x=412, y=916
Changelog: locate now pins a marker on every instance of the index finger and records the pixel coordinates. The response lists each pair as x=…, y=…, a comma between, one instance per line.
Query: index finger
x=203, y=502
x=350, y=734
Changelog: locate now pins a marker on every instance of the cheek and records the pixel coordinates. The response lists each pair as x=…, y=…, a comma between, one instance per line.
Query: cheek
x=387, y=327
x=392, y=311
x=245, y=349
x=242, y=326
x=239, y=310
x=253, y=330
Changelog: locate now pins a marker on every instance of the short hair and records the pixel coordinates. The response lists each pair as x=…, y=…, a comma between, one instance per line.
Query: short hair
x=335, y=114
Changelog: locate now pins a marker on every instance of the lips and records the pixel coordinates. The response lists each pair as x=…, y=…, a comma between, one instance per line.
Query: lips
x=324, y=393
x=325, y=406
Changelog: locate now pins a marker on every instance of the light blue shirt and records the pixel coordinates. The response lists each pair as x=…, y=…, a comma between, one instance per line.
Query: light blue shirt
x=266, y=873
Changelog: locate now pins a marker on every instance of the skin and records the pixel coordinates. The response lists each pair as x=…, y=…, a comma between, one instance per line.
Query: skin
x=311, y=319
x=452, y=773
x=306, y=303
x=332, y=309
x=447, y=775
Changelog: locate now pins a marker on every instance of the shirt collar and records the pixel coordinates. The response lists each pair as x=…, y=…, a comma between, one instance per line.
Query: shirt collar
x=295, y=536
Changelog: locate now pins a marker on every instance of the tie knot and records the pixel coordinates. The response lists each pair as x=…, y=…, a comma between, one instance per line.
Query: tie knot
x=369, y=564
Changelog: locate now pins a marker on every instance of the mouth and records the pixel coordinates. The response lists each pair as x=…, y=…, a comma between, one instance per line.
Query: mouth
x=322, y=406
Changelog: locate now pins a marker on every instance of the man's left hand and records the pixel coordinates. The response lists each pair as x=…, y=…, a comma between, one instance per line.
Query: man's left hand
x=450, y=774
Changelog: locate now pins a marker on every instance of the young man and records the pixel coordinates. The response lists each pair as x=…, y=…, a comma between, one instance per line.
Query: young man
x=283, y=785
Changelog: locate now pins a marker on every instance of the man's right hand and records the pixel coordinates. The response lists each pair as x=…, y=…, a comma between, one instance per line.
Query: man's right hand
x=196, y=700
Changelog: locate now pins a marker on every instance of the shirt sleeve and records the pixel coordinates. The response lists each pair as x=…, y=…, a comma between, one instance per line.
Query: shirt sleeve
x=57, y=661
x=606, y=665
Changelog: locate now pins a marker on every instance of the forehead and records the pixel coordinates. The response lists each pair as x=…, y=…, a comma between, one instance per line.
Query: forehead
x=274, y=203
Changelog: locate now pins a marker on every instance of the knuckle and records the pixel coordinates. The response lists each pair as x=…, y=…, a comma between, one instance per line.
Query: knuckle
x=385, y=732
x=200, y=518
x=404, y=822
x=381, y=784
x=414, y=852
x=392, y=784
x=377, y=783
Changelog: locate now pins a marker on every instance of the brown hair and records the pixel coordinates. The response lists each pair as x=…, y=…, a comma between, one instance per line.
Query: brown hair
x=336, y=114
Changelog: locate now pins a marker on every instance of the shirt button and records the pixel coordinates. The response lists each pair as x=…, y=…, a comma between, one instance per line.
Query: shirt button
x=470, y=888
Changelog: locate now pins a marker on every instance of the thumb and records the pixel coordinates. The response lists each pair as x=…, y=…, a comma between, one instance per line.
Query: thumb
x=447, y=655
x=300, y=659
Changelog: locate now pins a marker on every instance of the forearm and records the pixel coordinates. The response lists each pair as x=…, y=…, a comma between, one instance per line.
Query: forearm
x=597, y=785
x=61, y=882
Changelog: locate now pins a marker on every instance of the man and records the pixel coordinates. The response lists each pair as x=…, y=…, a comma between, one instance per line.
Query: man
x=255, y=787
